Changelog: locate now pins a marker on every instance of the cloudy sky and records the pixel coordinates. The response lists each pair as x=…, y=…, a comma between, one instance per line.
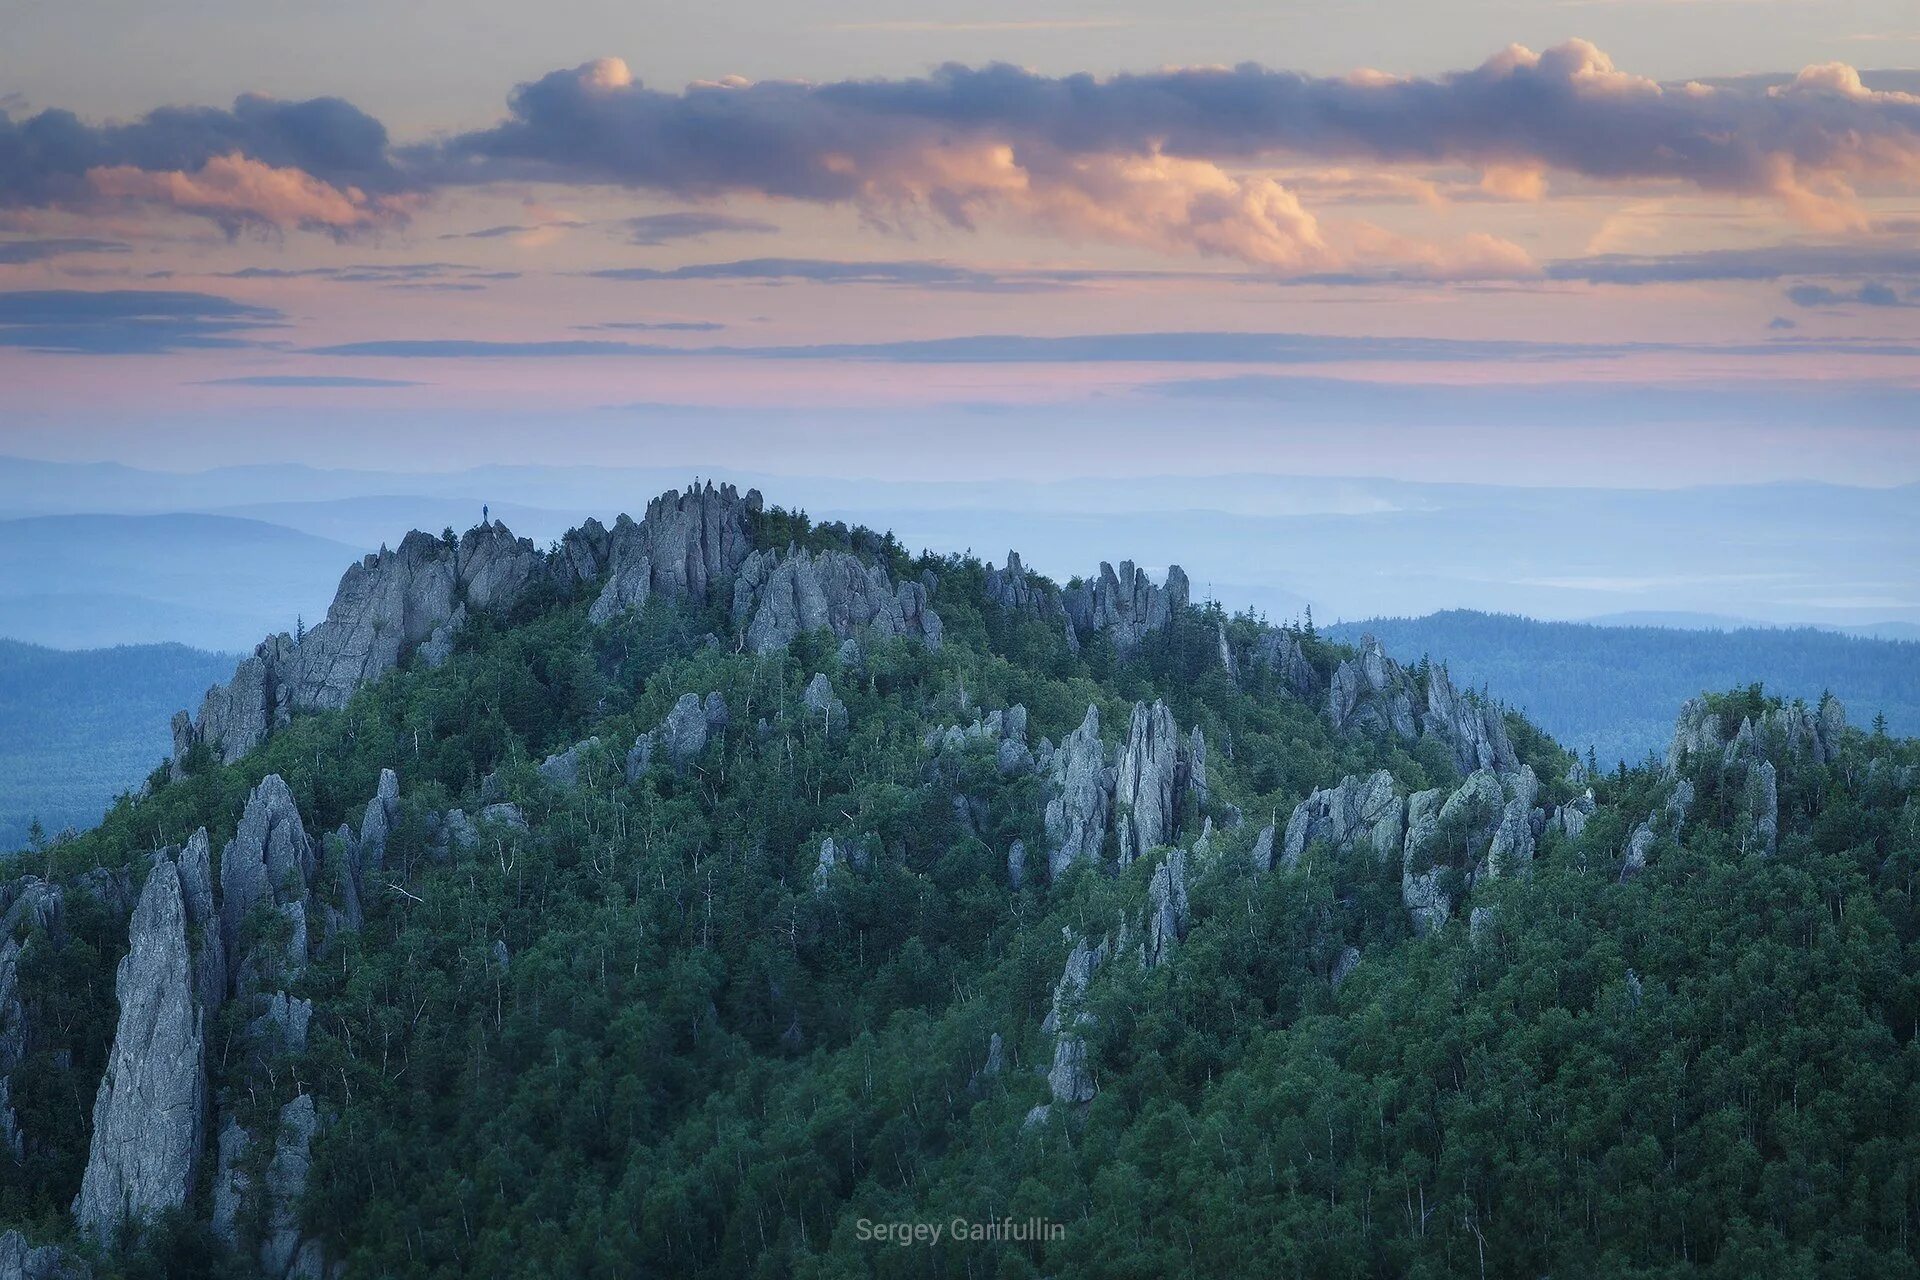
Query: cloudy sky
x=1652, y=242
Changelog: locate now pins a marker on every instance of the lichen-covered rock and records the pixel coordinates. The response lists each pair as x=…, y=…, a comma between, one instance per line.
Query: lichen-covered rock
x=779, y=597
x=1760, y=798
x=1639, y=845
x=149, y=1113
x=1472, y=729
x=1126, y=606
x=1510, y=851
x=460, y=832
x=1354, y=813
x=1371, y=692
x=1081, y=797
x=505, y=814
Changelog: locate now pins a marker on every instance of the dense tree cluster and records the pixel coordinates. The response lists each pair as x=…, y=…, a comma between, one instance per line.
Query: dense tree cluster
x=651, y=1033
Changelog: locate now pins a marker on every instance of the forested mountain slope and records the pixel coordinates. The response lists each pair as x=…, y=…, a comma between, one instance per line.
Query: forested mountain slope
x=1614, y=688
x=79, y=727
x=695, y=896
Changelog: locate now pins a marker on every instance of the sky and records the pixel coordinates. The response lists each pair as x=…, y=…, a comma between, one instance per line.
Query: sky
x=1646, y=243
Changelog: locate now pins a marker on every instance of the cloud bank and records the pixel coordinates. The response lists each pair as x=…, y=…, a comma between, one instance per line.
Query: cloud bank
x=1169, y=161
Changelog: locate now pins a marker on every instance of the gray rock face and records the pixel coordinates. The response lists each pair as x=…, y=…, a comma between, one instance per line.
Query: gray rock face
x=1511, y=849
x=1018, y=591
x=283, y=1253
x=20, y=1260
x=1784, y=734
x=460, y=832
x=1069, y=1078
x=1420, y=891
x=565, y=769
x=683, y=734
x=1475, y=731
x=1760, y=797
x=639, y=758
x=269, y=861
x=1371, y=692
x=1126, y=605
x=13, y=1042
x=822, y=704
x=1571, y=817
x=283, y=1026
x=1146, y=788
x=387, y=606
x=1261, y=854
x=1357, y=812
x=778, y=597
x=1639, y=845
x=1168, y=913
x=823, y=866
x=1081, y=797
x=685, y=546
x=149, y=1114
x=1016, y=864
x=1343, y=967
x=1280, y=652
x=506, y=815
x=377, y=823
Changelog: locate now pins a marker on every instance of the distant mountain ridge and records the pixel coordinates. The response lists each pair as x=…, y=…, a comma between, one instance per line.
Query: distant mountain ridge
x=79, y=728
x=1614, y=687
x=210, y=581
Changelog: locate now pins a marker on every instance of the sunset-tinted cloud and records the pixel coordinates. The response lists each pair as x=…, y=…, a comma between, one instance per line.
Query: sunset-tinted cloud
x=1166, y=161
